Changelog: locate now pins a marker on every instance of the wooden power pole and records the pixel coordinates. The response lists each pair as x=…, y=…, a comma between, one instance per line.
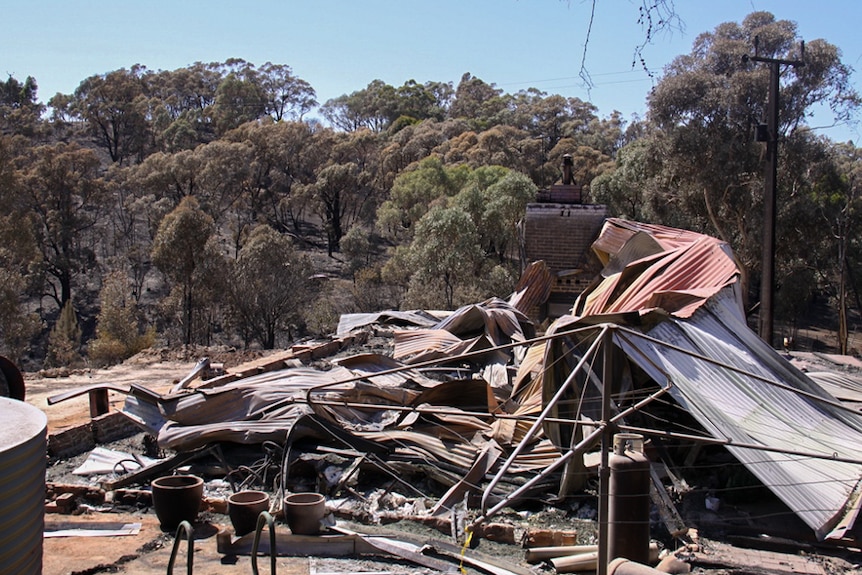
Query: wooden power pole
x=770, y=190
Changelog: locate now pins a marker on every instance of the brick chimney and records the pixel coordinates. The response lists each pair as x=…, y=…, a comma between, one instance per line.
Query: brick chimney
x=559, y=229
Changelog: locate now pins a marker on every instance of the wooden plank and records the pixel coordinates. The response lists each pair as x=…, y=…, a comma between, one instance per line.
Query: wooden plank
x=669, y=514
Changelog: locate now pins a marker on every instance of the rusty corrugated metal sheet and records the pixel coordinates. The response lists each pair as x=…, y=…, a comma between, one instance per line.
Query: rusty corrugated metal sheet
x=351, y=321
x=534, y=287
x=373, y=364
x=692, y=268
x=616, y=232
x=526, y=398
x=468, y=329
x=428, y=344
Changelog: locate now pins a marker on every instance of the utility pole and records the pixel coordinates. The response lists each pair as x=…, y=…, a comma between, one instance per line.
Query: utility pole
x=770, y=188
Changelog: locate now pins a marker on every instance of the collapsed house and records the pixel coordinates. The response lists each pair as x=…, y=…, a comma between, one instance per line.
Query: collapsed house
x=669, y=300
x=657, y=345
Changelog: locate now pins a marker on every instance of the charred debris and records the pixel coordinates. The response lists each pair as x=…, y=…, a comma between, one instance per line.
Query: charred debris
x=481, y=415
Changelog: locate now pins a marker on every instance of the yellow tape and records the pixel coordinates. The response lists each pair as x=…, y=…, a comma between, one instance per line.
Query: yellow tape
x=467, y=540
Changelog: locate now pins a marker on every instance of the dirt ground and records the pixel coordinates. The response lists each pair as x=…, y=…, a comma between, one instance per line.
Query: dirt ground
x=158, y=370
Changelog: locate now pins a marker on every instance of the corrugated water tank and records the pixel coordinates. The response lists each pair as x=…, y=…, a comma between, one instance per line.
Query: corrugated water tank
x=23, y=430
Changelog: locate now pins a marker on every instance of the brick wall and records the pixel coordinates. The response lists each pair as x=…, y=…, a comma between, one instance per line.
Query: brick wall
x=72, y=441
x=103, y=429
x=113, y=426
x=561, y=235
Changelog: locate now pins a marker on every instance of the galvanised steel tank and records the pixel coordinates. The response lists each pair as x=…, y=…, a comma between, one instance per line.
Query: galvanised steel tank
x=23, y=444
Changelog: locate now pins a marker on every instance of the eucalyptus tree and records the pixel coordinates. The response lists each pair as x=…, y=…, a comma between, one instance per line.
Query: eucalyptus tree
x=287, y=96
x=551, y=117
x=329, y=195
x=378, y=105
x=481, y=104
x=115, y=109
x=699, y=166
x=271, y=283
x=180, y=105
x=165, y=175
x=496, y=199
x=606, y=135
x=239, y=99
x=457, y=231
x=442, y=260
x=410, y=144
x=417, y=190
x=20, y=112
x=224, y=178
x=18, y=254
x=284, y=157
x=185, y=250
x=628, y=188
x=373, y=108
x=65, y=197
x=423, y=101
x=118, y=335
x=838, y=257
x=347, y=188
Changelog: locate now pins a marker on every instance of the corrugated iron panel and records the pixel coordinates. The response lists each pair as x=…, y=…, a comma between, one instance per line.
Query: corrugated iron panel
x=617, y=232
x=839, y=385
x=678, y=280
x=730, y=404
x=461, y=454
x=533, y=289
x=350, y=321
x=413, y=342
x=371, y=364
x=695, y=278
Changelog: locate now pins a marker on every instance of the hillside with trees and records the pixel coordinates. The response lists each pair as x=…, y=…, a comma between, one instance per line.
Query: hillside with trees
x=222, y=203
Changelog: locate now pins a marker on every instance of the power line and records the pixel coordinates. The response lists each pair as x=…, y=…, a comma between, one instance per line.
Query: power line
x=530, y=82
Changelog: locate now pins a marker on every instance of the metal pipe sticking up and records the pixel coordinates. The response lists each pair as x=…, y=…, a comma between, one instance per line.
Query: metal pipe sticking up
x=568, y=170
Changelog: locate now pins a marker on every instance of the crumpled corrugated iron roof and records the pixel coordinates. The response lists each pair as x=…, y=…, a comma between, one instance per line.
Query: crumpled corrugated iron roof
x=678, y=288
x=468, y=329
x=734, y=384
x=673, y=270
x=745, y=409
x=351, y=321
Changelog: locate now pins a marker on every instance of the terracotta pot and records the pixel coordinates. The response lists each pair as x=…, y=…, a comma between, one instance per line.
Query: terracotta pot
x=177, y=498
x=304, y=512
x=244, y=507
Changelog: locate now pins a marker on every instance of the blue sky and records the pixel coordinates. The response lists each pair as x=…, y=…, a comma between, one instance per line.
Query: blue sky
x=339, y=46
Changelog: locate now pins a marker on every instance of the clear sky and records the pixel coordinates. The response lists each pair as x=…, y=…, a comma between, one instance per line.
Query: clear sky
x=339, y=46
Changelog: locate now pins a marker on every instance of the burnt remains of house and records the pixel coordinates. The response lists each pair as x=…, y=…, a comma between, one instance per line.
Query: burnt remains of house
x=558, y=229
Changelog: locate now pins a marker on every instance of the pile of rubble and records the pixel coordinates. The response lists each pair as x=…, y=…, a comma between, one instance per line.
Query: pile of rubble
x=479, y=411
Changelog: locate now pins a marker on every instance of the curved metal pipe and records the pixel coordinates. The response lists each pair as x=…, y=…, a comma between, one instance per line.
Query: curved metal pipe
x=183, y=527
x=264, y=517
